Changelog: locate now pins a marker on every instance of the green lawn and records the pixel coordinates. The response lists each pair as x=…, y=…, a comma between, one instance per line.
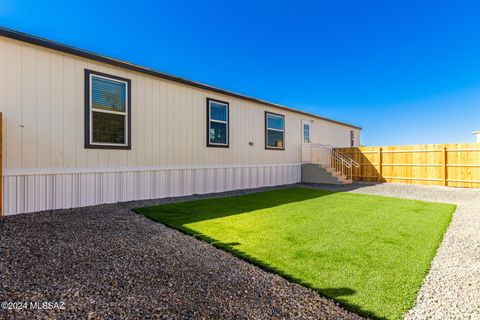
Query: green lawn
x=369, y=253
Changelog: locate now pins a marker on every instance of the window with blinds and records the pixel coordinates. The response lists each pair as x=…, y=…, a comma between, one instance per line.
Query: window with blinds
x=107, y=111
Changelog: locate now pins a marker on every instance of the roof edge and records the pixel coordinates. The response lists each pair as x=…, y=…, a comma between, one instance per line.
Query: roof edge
x=42, y=42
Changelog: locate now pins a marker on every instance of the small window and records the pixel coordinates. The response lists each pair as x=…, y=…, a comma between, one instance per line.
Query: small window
x=217, y=123
x=107, y=111
x=274, y=131
x=352, y=138
x=306, y=133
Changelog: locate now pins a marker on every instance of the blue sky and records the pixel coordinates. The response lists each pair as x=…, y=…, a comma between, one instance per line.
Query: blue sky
x=408, y=72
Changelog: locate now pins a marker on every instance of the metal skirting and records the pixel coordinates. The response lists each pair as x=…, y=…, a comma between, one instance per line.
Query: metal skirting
x=37, y=191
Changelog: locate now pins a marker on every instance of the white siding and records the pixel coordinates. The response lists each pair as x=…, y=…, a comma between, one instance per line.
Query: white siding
x=42, y=100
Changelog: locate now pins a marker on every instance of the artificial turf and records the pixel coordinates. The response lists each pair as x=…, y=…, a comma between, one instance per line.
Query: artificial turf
x=369, y=253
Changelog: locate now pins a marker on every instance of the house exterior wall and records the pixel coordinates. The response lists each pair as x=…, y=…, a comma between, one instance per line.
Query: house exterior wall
x=477, y=135
x=46, y=165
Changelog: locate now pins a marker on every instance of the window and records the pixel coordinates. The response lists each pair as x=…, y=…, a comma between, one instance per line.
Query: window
x=274, y=131
x=217, y=123
x=107, y=111
x=306, y=133
x=352, y=138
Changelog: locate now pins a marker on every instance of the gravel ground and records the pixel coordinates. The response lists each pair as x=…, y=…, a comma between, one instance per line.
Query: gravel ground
x=451, y=289
x=108, y=262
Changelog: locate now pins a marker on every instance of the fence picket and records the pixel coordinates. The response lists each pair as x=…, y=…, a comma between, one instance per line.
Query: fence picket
x=455, y=165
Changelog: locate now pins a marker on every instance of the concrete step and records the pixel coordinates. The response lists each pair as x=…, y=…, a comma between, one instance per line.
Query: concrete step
x=334, y=172
x=314, y=173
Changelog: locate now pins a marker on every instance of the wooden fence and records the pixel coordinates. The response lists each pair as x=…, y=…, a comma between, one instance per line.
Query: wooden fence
x=455, y=165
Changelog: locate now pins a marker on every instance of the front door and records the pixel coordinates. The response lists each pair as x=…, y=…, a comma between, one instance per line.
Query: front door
x=306, y=140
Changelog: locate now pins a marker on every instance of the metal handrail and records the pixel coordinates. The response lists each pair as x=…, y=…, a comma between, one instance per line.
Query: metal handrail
x=354, y=163
x=331, y=160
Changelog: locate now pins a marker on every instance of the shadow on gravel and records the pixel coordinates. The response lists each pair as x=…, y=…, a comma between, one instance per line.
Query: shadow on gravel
x=195, y=213
x=332, y=293
x=340, y=188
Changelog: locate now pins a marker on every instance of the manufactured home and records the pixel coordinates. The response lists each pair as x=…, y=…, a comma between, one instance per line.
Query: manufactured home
x=82, y=129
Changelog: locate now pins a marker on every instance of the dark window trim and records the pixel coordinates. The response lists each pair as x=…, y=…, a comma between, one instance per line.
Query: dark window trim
x=210, y=145
x=266, y=131
x=352, y=138
x=89, y=145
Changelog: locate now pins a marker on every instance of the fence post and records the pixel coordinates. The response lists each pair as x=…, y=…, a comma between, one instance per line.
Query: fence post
x=380, y=164
x=358, y=158
x=445, y=169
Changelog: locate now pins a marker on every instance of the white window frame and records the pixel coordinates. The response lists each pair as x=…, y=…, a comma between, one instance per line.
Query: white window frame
x=267, y=114
x=210, y=120
x=92, y=110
